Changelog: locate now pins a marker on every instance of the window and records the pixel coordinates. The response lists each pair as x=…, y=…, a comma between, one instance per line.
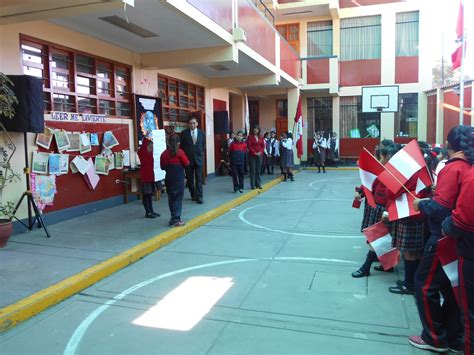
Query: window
x=407, y=34
x=355, y=123
x=406, y=119
x=77, y=82
x=360, y=38
x=282, y=109
x=319, y=114
x=291, y=33
x=180, y=101
x=319, y=38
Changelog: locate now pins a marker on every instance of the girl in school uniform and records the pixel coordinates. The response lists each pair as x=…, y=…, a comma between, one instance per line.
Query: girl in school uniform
x=442, y=328
x=286, y=155
x=147, y=177
x=173, y=160
x=319, y=151
x=237, y=151
x=460, y=225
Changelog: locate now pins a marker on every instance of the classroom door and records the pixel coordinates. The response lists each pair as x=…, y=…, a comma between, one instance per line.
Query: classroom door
x=253, y=114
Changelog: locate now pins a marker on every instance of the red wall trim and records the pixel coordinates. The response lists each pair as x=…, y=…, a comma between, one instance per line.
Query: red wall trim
x=356, y=3
x=218, y=11
x=406, y=70
x=360, y=72
x=431, y=121
x=451, y=110
x=318, y=71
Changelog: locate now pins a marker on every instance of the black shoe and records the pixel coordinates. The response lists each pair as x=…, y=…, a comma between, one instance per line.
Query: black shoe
x=241, y=191
x=150, y=215
x=360, y=273
x=156, y=214
x=380, y=268
x=259, y=187
x=193, y=198
x=199, y=201
x=402, y=290
x=292, y=178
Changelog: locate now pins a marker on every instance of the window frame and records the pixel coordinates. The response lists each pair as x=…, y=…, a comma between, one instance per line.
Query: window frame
x=49, y=90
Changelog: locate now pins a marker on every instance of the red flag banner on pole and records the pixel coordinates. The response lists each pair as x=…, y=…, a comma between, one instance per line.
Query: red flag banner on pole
x=449, y=262
x=299, y=129
x=369, y=169
x=402, y=166
x=456, y=57
x=379, y=238
x=402, y=207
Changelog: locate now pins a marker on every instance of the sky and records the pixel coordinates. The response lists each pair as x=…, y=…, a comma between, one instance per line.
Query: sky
x=443, y=18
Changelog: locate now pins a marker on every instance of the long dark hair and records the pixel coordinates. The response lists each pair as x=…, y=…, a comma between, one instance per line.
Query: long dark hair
x=173, y=144
x=461, y=138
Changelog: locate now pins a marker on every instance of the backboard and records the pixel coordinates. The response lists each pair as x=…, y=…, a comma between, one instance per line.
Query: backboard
x=380, y=98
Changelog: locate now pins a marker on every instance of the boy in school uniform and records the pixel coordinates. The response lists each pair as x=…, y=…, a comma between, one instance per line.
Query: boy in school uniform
x=237, y=151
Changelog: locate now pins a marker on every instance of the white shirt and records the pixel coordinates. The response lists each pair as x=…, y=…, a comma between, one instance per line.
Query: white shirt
x=194, y=135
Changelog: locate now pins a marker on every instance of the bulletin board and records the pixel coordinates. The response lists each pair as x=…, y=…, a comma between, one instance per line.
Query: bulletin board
x=148, y=116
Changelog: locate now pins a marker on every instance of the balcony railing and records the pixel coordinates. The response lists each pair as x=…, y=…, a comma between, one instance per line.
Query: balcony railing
x=218, y=11
x=322, y=71
x=289, y=60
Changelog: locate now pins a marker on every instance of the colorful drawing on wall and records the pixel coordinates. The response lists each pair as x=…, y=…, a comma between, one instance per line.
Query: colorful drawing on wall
x=62, y=140
x=101, y=165
x=44, y=139
x=84, y=143
x=40, y=162
x=109, y=140
x=74, y=138
x=91, y=176
x=80, y=164
x=119, y=160
x=54, y=164
x=94, y=139
x=43, y=188
x=126, y=157
x=63, y=164
x=149, y=116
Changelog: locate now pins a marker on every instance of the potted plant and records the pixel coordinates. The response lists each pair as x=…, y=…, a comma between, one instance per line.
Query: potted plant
x=7, y=148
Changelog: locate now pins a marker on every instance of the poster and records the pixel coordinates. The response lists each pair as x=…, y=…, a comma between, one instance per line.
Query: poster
x=84, y=143
x=91, y=176
x=101, y=165
x=74, y=138
x=44, y=139
x=149, y=116
x=109, y=140
x=43, y=189
x=159, y=146
x=119, y=160
x=94, y=139
x=54, y=164
x=63, y=164
x=40, y=162
x=126, y=157
x=80, y=164
x=62, y=140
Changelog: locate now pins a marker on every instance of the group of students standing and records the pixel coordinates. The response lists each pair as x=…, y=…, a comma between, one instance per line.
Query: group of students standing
x=325, y=147
x=447, y=209
x=260, y=153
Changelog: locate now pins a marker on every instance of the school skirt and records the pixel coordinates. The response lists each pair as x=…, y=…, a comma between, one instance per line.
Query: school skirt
x=149, y=187
x=320, y=156
x=409, y=235
x=287, y=160
x=371, y=215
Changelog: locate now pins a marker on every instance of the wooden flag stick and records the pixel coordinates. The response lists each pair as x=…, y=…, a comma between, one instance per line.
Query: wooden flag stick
x=390, y=173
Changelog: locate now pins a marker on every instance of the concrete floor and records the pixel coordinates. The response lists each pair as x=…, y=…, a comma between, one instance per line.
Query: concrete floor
x=277, y=269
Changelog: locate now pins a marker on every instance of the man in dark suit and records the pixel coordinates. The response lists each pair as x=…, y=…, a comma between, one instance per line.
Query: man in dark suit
x=193, y=142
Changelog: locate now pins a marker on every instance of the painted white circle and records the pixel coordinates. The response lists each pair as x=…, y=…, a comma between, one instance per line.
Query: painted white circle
x=328, y=236
x=311, y=185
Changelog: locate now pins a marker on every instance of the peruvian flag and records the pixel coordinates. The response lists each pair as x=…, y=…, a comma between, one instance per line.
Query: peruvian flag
x=379, y=238
x=456, y=57
x=402, y=166
x=449, y=262
x=369, y=169
x=299, y=129
x=402, y=207
x=423, y=181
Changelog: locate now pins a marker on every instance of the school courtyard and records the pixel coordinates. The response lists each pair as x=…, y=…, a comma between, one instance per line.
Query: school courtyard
x=270, y=276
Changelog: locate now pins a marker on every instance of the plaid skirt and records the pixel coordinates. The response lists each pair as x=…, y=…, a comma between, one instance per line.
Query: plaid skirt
x=149, y=187
x=371, y=215
x=286, y=159
x=408, y=236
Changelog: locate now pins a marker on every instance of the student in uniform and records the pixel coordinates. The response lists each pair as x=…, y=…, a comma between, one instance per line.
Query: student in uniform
x=271, y=151
x=265, y=160
x=286, y=155
x=255, y=147
x=460, y=225
x=147, y=177
x=174, y=160
x=373, y=215
x=237, y=151
x=319, y=151
x=442, y=328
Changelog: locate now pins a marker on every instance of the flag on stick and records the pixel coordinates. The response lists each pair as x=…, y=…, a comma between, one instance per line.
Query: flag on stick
x=456, y=57
x=379, y=238
x=402, y=166
x=369, y=169
x=402, y=207
x=299, y=129
x=449, y=262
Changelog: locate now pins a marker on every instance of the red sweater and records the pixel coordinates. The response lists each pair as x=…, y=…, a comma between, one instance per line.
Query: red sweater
x=167, y=159
x=463, y=213
x=146, y=163
x=449, y=182
x=255, y=145
x=380, y=193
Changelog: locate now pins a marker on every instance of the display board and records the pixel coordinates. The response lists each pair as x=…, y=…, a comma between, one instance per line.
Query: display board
x=148, y=116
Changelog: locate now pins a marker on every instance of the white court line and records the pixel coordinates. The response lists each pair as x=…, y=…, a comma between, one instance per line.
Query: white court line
x=322, y=189
x=80, y=331
x=328, y=236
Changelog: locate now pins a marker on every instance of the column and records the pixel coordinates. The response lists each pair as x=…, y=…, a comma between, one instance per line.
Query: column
x=293, y=95
x=439, y=116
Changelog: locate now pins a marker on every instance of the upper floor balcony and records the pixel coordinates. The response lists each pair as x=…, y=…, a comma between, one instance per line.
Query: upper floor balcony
x=321, y=74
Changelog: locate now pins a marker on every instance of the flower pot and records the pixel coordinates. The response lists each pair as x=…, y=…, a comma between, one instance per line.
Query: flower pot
x=6, y=230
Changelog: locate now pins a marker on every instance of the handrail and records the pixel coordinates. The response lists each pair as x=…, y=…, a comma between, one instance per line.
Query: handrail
x=319, y=57
x=266, y=9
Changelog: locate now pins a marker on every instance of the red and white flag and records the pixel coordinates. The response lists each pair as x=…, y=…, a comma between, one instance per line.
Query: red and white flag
x=369, y=169
x=456, y=57
x=401, y=207
x=379, y=238
x=402, y=166
x=449, y=262
x=299, y=129
x=423, y=181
